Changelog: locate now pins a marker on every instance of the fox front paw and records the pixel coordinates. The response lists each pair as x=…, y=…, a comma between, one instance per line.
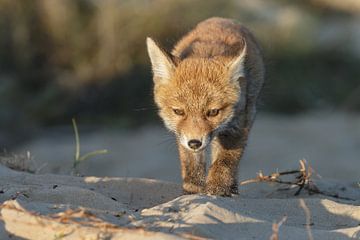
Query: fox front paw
x=220, y=189
x=191, y=188
x=215, y=188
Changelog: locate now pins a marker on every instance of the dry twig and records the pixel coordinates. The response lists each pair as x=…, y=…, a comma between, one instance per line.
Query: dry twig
x=302, y=180
x=275, y=228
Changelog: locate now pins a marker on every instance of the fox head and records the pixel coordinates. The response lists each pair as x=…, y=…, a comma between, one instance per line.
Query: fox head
x=196, y=97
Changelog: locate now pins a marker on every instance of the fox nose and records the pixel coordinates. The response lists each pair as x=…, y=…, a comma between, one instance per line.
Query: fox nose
x=194, y=144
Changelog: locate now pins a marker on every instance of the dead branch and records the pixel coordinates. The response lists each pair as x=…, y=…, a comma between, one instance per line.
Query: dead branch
x=302, y=180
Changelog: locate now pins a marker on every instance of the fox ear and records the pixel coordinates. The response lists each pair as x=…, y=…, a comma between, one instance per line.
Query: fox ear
x=162, y=63
x=236, y=66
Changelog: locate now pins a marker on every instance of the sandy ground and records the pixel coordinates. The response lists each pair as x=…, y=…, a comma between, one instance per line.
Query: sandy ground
x=49, y=206
x=65, y=207
x=330, y=142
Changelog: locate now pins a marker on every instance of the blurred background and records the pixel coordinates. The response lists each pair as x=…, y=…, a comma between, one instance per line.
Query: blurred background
x=87, y=59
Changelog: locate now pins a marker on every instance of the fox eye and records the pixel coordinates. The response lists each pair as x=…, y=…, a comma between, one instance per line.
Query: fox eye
x=179, y=112
x=213, y=112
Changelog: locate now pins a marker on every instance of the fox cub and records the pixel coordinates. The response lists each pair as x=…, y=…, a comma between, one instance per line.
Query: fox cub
x=206, y=90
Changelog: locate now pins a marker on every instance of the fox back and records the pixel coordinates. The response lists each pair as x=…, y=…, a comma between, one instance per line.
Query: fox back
x=206, y=88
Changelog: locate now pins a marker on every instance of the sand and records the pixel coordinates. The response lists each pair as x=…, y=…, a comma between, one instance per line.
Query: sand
x=130, y=204
x=47, y=206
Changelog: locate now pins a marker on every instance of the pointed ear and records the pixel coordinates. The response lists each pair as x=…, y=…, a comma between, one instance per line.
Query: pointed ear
x=162, y=63
x=236, y=66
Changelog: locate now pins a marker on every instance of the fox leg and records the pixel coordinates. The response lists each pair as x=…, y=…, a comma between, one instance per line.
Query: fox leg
x=193, y=170
x=227, y=150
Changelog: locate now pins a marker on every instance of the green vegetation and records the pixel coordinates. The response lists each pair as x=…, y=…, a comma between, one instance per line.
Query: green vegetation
x=80, y=158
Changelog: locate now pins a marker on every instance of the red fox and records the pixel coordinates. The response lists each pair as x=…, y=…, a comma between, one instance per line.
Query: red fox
x=206, y=90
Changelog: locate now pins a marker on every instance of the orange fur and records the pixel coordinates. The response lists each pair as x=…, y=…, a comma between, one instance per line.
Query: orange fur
x=218, y=68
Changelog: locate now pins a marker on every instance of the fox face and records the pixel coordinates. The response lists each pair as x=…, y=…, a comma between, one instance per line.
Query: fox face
x=196, y=97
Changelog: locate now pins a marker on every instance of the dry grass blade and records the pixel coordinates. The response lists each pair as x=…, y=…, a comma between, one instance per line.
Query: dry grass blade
x=276, y=227
x=308, y=218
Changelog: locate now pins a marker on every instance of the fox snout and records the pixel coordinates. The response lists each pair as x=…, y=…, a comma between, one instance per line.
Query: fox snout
x=194, y=143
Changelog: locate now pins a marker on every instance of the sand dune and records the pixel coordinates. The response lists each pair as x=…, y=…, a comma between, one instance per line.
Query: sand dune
x=65, y=207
